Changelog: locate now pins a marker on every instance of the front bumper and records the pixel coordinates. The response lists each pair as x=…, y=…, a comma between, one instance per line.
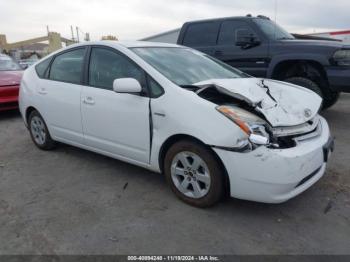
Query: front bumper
x=339, y=78
x=277, y=175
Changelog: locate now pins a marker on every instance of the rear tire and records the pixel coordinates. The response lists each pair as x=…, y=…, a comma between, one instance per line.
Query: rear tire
x=39, y=132
x=194, y=174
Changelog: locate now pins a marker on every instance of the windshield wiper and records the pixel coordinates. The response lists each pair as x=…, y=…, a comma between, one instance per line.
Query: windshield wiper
x=285, y=38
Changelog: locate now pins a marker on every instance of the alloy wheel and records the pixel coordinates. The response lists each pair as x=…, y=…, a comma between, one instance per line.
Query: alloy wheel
x=38, y=130
x=190, y=175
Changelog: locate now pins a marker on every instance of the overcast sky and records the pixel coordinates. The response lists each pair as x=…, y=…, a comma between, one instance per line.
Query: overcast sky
x=134, y=19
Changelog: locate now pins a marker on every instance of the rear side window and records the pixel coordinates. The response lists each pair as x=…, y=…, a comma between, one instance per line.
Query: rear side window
x=201, y=34
x=228, y=30
x=41, y=68
x=68, y=67
x=107, y=65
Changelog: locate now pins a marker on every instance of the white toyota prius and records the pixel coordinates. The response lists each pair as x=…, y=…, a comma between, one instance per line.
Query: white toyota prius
x=211, y=129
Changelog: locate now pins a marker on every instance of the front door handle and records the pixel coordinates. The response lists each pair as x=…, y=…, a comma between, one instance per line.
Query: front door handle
x=160, y=113
x=88, y=100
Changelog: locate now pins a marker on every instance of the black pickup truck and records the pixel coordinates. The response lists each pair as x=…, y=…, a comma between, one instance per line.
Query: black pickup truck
x=261, y=48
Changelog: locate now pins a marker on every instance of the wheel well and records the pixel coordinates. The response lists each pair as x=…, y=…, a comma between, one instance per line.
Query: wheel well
x=176, y=138
x=28, y=112
x=302, y=68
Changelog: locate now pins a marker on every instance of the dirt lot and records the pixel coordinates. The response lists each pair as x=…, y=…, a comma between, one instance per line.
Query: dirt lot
x=71, y=201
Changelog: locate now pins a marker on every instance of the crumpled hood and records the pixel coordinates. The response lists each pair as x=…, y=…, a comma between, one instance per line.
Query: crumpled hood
x=281, y=103
x=10, y=78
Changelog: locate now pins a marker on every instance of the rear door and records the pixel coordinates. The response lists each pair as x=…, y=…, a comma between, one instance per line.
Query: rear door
x=59, y=94
x=253, y=61
x=202, y=36
x=115, y=123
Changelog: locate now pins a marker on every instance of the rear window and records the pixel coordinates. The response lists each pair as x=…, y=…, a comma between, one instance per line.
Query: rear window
x=201, y=34
x=68, y=67
x=41, y=68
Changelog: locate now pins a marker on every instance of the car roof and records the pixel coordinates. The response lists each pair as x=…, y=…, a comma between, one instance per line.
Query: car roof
x=221, y=19
x=130, y=44
x=127, y=44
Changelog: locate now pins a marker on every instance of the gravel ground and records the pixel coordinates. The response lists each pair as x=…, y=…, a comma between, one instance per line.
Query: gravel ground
x=71, y=201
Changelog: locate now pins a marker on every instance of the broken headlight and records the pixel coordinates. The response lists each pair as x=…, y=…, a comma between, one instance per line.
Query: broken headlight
x=250, y=124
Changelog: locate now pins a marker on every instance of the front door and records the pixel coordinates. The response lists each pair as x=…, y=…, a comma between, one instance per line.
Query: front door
x=115, y=123
x=253, y=60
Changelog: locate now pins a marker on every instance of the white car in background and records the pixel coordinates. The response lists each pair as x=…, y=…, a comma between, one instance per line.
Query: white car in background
x=208, y=127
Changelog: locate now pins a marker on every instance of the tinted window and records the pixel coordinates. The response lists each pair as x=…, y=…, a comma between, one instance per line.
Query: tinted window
x=107, y=65
x=42, y=66
x=202, y=34
x=229, y=30
x=68, y=66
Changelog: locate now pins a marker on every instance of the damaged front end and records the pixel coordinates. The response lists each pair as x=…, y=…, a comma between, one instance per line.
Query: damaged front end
x=271, y=113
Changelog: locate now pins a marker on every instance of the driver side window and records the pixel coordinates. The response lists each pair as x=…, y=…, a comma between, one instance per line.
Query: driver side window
x=229, y=29
x=106, y=66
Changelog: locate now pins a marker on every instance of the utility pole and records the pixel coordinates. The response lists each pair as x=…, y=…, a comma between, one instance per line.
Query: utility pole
x=71, y=29
x=47, y=29
x=77, y=34
x=87, y=37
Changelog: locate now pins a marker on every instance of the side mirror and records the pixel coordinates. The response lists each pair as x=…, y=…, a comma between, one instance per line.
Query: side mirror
x=127, y=85
x=246, y=38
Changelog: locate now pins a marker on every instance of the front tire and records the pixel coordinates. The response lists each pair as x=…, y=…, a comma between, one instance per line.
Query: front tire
x=331, y=100
x=328, y=100
x=194, y=174
x=307, y=83
x=39, y=132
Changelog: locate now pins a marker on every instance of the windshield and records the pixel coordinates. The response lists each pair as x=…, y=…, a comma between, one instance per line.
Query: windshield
x=272, y=30
x=185, y=66
x=8, y=64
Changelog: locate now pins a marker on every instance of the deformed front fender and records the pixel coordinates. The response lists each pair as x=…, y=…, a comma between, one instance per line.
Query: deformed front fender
x=191, y=117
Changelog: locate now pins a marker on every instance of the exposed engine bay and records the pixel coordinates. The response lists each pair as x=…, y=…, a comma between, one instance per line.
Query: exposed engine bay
x=278, y=136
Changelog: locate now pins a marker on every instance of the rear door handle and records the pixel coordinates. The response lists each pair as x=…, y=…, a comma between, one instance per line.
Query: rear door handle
x=42, y=91
x=88, y=100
